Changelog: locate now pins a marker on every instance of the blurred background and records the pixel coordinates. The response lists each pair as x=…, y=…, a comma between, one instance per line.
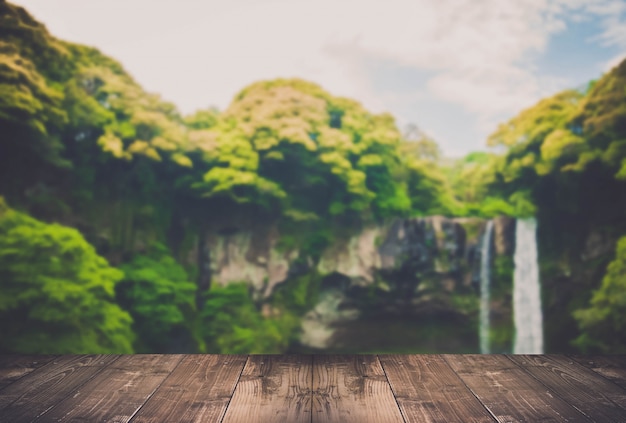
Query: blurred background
x=312, y=177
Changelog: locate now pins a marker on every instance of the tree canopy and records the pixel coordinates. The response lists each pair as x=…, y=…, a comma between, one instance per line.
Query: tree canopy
x=56, y=294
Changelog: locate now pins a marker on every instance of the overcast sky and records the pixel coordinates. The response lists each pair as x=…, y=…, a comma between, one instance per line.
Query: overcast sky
x=453, y=67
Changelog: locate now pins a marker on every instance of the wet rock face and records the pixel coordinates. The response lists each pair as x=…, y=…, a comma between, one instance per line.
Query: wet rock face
x=409, y=256
x=318, y=325
x=409, y=251
x=357, y=258
x=409, y=245
x=408, y=268
x=597, y=244
x=504, y=235
x=249, y=256
x=413, y=268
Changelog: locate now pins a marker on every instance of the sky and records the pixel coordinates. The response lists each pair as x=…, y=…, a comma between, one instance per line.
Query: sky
x=455, y=68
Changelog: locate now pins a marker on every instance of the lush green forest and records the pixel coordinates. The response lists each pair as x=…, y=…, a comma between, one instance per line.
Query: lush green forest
x=108, y=194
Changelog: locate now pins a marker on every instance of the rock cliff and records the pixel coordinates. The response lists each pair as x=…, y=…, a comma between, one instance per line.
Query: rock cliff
x=409, y=277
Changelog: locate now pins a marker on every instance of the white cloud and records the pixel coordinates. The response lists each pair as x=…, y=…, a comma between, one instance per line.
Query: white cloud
x=197, y=53
x=245, y=42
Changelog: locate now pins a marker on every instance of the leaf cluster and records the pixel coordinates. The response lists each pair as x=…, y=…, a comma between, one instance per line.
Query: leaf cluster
x=56, y=293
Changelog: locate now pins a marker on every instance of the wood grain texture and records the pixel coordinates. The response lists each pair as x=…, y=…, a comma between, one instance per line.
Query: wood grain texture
x=588, y=392
x=117, y=392
x=198, y=390
x=43, y=388
x=14, y=366
x=427, y=390
x=352, y=388
x=612, y=367
x=510, y=393
x=320, y=389
x=273, y=389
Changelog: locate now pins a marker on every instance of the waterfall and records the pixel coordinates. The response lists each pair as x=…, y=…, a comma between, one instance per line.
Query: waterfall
x=485, y=279
x=526, y=291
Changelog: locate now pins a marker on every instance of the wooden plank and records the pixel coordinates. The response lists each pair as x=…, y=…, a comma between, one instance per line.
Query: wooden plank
x=352, y=388
x=272, y=389
x=510, y=393
x=117, y=392
x=14, y=366
x=427, y=390
x=198, y=390
x=40, y=390
x=587, y=391
x=612, y=367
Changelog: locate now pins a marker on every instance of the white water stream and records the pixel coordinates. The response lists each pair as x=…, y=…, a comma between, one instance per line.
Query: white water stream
x=485, y=282
x=527, y=313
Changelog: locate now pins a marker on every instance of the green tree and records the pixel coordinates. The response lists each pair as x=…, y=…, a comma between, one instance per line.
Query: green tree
x=564, y=163
x=56, y=293
x=317, y=156
x=157, y=293
x=234, y=325
x=570, y=132
x=603, y=323
x=471, y=179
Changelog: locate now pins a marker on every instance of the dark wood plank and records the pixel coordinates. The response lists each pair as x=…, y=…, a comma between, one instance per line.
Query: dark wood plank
x=117, y=392
x=40, y=390
x=352, y=388
x=272, y=388
x=14, y=366
x=198, y=390
x=509, y=392
x=587, y=391
x=612, y=367
x=427, y=390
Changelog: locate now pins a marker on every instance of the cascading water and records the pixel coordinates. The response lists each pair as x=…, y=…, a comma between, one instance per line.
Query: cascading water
x=485, y=282
x=526, y=290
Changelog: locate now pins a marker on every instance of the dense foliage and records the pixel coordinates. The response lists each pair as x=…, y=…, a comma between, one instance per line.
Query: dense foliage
x=235, y=325
x=83, y=146
x=604, y=322
x=160, y=299
x=565, y=161
x=56, y=293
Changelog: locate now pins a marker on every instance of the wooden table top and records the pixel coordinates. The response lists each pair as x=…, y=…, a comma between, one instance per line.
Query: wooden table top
x=312, y=388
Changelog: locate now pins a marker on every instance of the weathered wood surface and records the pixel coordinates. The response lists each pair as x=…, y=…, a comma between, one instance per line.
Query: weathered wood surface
x=13, y=367
x=509, y=392
x=42, y=389
x=597, y=398
x=117, y=392
x=352, y=388
x=198, y=390
x=428, y=390
x=312, y=388
x=273, y=389
x=613, y=367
